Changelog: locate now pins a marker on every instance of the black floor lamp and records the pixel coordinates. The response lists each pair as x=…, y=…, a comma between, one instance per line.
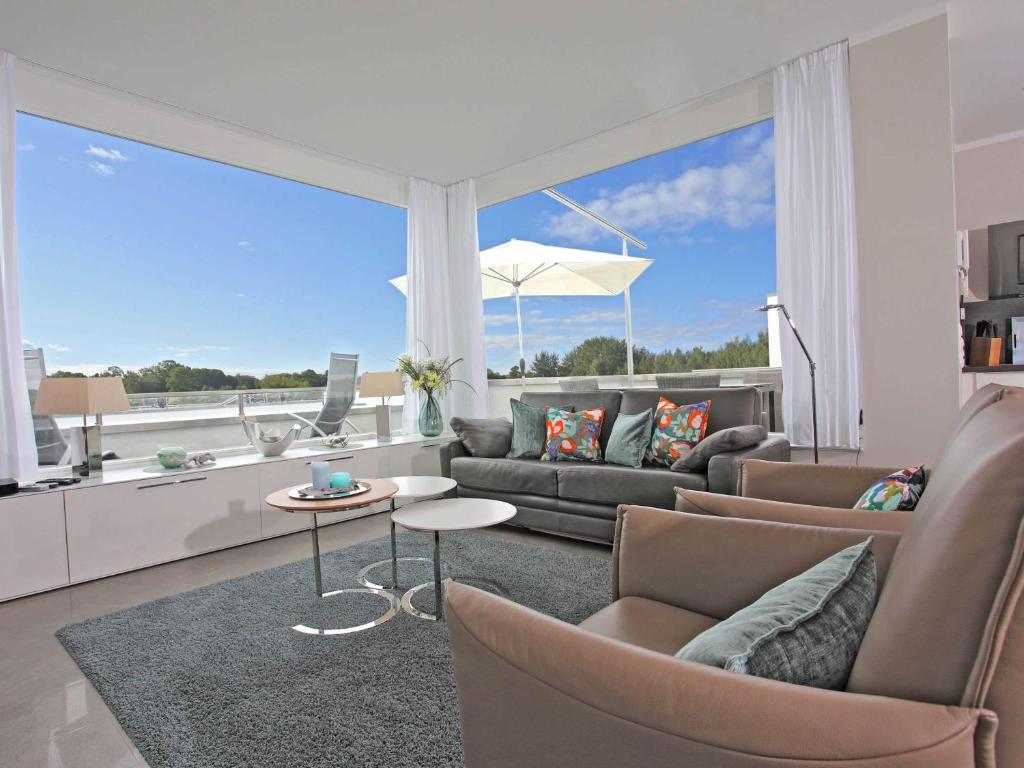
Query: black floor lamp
x=810, y=362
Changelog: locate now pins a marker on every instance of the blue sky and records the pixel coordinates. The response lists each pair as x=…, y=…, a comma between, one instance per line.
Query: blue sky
x=132, y=254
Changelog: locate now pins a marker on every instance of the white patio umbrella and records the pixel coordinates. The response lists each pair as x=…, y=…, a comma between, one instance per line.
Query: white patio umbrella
x=524, y=268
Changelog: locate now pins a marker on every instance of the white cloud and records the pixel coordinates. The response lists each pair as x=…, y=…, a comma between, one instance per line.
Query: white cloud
x=245, y=245
x=26, y=147
x=499, y=319
x=110, y=155
x=102, y=168
x=737, y=194
x=58, y=348
x=28, y=344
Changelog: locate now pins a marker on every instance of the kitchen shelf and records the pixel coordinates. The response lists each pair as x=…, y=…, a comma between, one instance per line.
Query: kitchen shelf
x=1005, y=368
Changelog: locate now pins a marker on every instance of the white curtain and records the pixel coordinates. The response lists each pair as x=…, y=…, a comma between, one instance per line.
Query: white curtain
x=18, y=446
x=444, y=304
x=816, y=244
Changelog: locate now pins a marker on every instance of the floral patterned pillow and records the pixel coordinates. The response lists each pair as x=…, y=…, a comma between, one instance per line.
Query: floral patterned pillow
x=573, y=436
x=900, y=490
x=677, y=428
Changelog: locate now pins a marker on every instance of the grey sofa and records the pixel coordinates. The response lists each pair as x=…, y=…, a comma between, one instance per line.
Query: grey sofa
x=579, y=499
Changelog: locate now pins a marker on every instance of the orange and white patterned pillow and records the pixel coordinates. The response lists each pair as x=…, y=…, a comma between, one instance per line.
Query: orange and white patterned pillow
x=677, y=428
x=573, y=436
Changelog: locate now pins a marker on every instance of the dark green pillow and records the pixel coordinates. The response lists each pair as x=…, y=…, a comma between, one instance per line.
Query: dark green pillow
x=805, y=631
x=631, y=434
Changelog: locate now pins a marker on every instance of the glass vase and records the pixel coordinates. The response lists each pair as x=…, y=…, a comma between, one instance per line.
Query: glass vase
x=431, y=423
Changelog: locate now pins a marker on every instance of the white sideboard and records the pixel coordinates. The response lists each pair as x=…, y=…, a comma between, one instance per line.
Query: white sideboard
x=140, y=517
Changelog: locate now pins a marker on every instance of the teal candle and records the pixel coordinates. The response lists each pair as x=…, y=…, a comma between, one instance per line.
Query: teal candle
x=341, y=480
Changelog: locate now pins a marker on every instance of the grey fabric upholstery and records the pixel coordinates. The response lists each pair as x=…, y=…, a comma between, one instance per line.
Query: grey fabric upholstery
x=580, y=499
x=489, y=438
x=723, y=469
x=509, y=475
x=730, y=406
x=613, y=485
x=805, y=631
x=581, y=401
x=722, y=441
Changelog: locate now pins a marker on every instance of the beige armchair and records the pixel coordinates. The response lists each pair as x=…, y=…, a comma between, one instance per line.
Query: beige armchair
x=941, y=665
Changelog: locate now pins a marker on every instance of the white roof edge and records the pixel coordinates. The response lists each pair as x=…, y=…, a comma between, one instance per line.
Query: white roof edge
x=69, y=99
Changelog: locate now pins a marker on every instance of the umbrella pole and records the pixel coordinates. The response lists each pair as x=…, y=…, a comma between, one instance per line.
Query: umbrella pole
x=629, y=326
x=519, y=325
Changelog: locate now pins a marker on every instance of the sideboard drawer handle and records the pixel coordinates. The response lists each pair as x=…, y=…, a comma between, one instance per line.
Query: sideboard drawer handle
x=430, y=445
x=171, y=482
x=339, y=458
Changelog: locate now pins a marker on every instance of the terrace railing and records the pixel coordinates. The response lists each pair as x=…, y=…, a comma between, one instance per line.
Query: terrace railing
x=236, y=399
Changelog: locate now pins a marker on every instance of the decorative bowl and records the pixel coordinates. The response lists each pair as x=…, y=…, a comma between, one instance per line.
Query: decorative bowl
x=172, y=458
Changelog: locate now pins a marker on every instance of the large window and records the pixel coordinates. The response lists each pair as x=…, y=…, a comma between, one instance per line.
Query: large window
x=133, y=256
x=706, y=211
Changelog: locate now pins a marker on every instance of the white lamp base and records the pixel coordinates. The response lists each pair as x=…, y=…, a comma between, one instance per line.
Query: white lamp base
x=383, y=414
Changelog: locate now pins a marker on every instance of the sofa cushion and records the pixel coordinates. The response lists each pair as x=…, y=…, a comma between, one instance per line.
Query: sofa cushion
x=580, y=401
x=528, y=431
x=630, y=436
x=724, y=440
x=508, y=475
x=573, y=436
x=677, y=429
x=612, y=485
x=648, y=623
x=488, y=438
x=806, y=631
x=900, y=490
x=732, y=406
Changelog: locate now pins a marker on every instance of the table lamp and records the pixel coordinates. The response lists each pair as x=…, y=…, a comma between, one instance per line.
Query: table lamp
x=85, y=397
x=382, y=384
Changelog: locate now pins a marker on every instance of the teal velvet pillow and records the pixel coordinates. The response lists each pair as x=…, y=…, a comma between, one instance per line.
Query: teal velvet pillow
x=806, y=631
x=529, y=431
x=631, y=434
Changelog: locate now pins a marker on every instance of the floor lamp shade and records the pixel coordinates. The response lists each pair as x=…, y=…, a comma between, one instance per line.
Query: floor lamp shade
x=382, y=384
x=83, y=397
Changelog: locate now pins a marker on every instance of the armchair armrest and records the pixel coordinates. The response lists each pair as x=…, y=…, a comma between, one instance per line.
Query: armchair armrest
x=723, y=468
x=534, y=691
x=822, y=485
x=715, y=565
x=449, y=451
x=701, y=503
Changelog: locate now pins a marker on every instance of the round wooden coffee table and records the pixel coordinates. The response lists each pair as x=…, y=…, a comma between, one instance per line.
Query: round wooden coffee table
x=380, y=490
x=447, y=515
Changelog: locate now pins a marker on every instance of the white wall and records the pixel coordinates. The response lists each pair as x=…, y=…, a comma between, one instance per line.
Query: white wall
x=990, y=184
x=903, y=156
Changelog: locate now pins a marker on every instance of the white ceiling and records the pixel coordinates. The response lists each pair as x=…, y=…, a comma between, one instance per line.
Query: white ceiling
x=986, y=53
x=441, y=90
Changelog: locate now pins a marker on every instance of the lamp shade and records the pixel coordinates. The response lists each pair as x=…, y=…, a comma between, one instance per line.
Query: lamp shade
x=73, y=397
x=381, y=384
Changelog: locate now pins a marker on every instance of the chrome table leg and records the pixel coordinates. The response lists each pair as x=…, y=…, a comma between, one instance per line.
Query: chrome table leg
x=316, y=556
x=394, y=550
x=437, y=577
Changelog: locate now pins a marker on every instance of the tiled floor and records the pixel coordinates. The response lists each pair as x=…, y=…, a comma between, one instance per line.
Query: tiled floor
x=52, y=717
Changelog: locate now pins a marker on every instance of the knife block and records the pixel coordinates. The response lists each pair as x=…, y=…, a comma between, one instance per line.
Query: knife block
x=986, y=351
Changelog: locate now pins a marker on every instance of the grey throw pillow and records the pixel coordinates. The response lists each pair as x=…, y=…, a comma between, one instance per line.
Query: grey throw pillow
x=805, y=631
x=530, y=429
x=631, y=434
x=731, y=439
x=488, y=438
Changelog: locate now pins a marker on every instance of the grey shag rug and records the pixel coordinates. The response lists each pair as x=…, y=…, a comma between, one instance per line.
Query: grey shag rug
x=216, y=678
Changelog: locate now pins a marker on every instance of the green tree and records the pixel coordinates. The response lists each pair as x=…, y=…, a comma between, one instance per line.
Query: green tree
x=545, y=364
x=597, y=356
x=67, y=375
